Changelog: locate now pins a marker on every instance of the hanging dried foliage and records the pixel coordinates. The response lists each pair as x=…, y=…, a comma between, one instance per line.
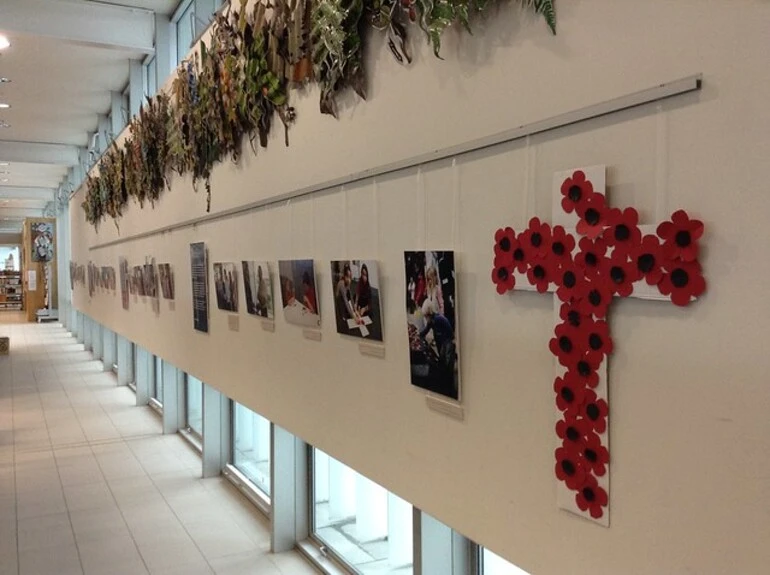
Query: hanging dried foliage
x=239, y=80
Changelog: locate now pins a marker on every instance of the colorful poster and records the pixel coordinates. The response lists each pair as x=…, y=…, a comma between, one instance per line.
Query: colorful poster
x=199, y=273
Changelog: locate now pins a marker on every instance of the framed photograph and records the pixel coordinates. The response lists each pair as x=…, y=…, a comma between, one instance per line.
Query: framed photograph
x=150, y=280
x=226, y=286
x=356, y=289
x=139, y=285
x=200, y=292
x=431, y=318
x=42, y=237
x=298, y=293
x=124, y=282
x=258, y=288
x=166, y=281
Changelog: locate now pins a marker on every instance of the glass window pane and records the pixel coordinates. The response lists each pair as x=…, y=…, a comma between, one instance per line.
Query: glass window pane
x=152, y=77
x=251, y=453
x=184, y=33
x=195, y=404
x=157, y=391
x=368, y=527
x=496, y=565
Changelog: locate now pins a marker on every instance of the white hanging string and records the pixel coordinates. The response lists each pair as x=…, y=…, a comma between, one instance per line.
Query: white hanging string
x=376, y=204
x=345, y=229
x=661, y=165
x=455, y=205
x=422, y=239
x=529, y=194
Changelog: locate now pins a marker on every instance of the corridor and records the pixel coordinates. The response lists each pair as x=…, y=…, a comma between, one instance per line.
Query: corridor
x=88, y=485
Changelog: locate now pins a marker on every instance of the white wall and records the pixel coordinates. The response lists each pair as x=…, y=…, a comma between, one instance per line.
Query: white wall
x=689, y=398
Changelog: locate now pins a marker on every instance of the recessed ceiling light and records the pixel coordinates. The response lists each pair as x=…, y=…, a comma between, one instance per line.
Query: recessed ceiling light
x=4, y=80
x=4, y=106
x=4, y=42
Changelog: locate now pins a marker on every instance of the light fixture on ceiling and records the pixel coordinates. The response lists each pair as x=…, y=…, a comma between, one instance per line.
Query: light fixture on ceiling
x=4, y=42
x=5, y=164
x=4, y=106
x=4, y=80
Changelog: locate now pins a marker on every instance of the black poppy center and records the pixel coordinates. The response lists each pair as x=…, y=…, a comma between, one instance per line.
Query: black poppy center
x=565, y=344
x=592, y=411
x=573, y=318
x=590, y=455
x=502, y=274
x=595, y=341
x=592, y=216
x=505, y=244
x=588, y=494
x=591, y=259
x=575, y=193
x=572, y=434
x=567, y=394
x=645, y=263
x=622, y=233
x=584, y=369
x=568, y=467
x=683, y=238
x=518, y=254
x=595, y=297
x=536, y=239
x=539, y=272
x=679, y=278
x=558, y=248
x=617, y=274
x=569, y=280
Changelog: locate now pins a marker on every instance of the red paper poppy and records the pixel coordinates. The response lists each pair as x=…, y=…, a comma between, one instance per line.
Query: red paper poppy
x=586, y=368
x=593, y=216
x=570, y=393
x=576, y=191
x=647, y=258
x=595, y=336
x=502, y=274
x=567, y=277
x=569, y=468
x=619, y=274
x=540, y=275
x=505, y=243
x=536, y=239
x=680, y=236
x=592, y=498
x=682, y=281
x=595, y=297
x=572, y=431
x=571, y=314
x=591, y=257
x=595, y=455
x=566, y=346
x=562, y=245
x=595, y=411
x=623, y=232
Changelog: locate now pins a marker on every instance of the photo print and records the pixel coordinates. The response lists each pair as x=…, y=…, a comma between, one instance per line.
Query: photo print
x=166, y=281
x=226, y=286
x=258, y=288
x=150, y=280
x=431, y=302
x=298, y=293
x=356, y=288
x=139, y=286
x=124, y=282
x=42, y=237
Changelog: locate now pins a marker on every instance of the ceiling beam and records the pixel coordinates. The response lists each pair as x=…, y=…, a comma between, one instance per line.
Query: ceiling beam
x=35, y=153
x=104, y=25
x=15, y=213
x=26, y=193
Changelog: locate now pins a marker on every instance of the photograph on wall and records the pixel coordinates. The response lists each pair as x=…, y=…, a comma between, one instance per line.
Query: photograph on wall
x=166, y=281
x=42, y=241
x=258, y=288
x=431, y=302
x=139, y=286
x=150, y=280
x=298, y=293
x=73, y=274
x=356, y=288
x=200, y=292
x=226, y=286
x=124, y=282
x=91, y=279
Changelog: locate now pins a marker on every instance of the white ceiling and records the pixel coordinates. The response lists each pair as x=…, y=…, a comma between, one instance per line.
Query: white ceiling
x=58, y=88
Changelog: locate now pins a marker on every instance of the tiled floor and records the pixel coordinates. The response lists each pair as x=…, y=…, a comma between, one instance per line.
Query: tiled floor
x=88, y=485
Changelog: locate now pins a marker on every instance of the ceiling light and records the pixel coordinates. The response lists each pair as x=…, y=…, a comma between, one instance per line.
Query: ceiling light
x=4, y=42
x=4, y=106
x=4, y=80
x=5, y=163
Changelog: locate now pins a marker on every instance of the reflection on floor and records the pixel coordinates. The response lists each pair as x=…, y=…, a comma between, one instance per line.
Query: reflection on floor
x=88, y=485
x=370, y=557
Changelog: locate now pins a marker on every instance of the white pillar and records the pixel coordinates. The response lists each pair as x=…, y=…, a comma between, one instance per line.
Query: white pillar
x=400, y=532
x=125, y=361
x=96, y=339
x=116, y=113
x=173, y=398
x=109, y=349
x=87, y=333
x=216, y=431
x=145, y=375
x=342, y=491
x=135, y=87
x=290, y=520
x=371, y=510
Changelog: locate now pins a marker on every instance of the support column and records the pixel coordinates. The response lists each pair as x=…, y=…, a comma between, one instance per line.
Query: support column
x=441, y=550
x=96, y=339
x=135, y=87
x=87, y=333
x=289, y=486
x=74, y=322
x=105, y=133
x=173, y=399
x=125, y=361
x=145, y=375
x=109, y=349
x=216, y=431
x=116, y=113
x=165, y=61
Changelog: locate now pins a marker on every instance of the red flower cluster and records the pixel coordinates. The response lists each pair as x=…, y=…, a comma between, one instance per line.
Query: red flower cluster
x=608, y=260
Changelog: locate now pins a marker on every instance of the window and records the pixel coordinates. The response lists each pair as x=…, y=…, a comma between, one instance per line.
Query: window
x=360, y=522
x=156, y=390
x=150, y=77
x=184, y=32
x=194, y=404
x=492, y=564
x=251, y=446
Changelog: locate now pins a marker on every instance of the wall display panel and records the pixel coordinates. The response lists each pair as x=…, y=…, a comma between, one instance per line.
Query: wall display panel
x=200, y=289
x=299, y=296
x=356, y=289
x=491, y=476
x=258, y=289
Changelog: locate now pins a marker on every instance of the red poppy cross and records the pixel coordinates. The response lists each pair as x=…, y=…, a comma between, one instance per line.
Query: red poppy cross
x=613, y=257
